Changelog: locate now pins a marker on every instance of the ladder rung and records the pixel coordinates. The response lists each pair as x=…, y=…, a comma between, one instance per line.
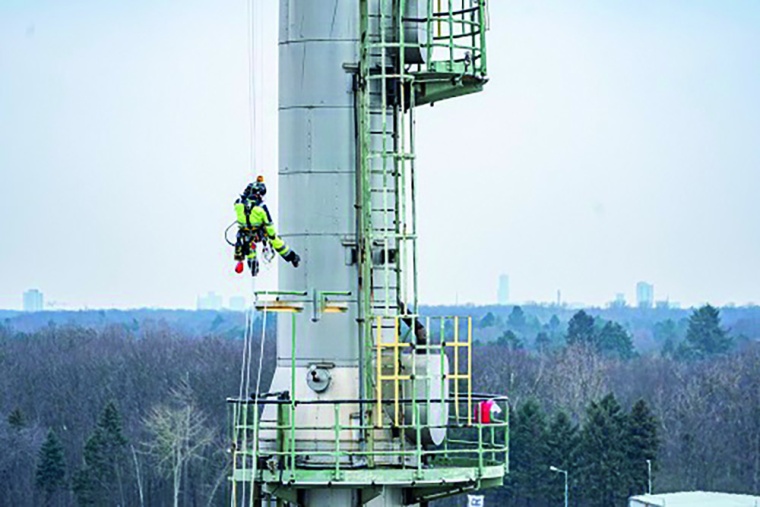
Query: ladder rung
x=398, y=236
x=380, y=153
x=394, y=377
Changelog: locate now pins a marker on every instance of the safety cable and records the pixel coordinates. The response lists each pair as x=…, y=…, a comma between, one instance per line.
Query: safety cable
x=252, y=124
x=226, y=232
x=241, y=412
x=254, y=26
x=256, y=417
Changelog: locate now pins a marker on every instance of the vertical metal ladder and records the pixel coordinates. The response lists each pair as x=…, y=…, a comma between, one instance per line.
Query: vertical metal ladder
x=387, y=235
x=412, y=52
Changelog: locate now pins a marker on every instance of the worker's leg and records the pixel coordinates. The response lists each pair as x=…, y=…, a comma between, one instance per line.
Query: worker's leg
x=253, y=261
x=241, y=245
x=277, y=242
x=280, y=247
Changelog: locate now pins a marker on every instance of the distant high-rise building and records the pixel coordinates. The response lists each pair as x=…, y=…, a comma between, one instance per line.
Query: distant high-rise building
x=237, y=303
x=33, y=300
x=644, y=295
x=211, y=301
x=503, y=290
x=619, y=301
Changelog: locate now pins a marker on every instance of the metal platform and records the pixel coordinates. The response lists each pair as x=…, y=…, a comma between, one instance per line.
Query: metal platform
x=275, y=453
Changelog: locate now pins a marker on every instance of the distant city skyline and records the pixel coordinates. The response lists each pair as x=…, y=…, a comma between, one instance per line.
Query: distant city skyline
x=642, y=295
x=614, y=142
x=213, y=301
x=209, y=301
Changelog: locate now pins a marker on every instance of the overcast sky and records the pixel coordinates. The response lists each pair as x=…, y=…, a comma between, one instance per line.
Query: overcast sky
x=616, y=142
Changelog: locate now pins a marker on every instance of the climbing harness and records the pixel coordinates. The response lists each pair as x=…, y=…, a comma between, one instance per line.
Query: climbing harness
x=247, y=241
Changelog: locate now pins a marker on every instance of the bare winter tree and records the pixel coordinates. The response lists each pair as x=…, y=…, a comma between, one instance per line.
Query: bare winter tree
x=178, y=435
x=578, y=377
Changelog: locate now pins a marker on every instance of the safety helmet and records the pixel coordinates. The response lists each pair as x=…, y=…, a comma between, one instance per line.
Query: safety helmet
x=256, y=189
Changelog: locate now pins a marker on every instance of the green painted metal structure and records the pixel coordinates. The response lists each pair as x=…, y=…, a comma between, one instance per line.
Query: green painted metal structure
x=412, y=53
x=474, y=454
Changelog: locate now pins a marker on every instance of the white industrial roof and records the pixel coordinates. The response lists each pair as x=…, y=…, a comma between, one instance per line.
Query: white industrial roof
x=695, y=499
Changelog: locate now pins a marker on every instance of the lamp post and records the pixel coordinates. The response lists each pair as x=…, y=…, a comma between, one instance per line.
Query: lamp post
x=649, y=476
x=560, y=471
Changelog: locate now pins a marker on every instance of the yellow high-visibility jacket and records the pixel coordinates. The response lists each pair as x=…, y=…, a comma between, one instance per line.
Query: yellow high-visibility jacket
x=259, y=219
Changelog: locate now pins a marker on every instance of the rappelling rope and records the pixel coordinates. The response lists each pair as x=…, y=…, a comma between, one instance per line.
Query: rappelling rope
x=252, y=121
x=257, y=393
x=254, y=43
x=254, y=28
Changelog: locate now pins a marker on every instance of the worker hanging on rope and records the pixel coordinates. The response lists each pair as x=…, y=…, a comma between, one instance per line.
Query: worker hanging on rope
x=255, y=227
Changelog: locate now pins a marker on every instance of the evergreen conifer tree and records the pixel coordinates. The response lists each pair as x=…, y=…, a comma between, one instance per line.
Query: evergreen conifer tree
x=528, y=452
x=613, y=340
x=16, y=419
x=516, y=320
x=99, y=479
x=580, y=329
x=704, y=336
x=643, y=443
x=487, y=321
x=51, y=468
x=562, y=450
x=602, y=457
x=554, y=326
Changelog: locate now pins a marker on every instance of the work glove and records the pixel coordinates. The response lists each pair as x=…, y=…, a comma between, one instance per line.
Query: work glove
x=292, y=258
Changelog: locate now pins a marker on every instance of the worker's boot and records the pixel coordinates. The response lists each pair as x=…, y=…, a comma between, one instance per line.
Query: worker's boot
x=253, y=265
x=292, y=258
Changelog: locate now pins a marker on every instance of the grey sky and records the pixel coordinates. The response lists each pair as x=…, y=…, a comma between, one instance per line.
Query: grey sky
x=616, y=142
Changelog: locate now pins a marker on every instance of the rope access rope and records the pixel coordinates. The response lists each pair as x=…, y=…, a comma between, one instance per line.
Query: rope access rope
x=254, y=47
x=241, y=416
x=252, y=123
x=256, y=418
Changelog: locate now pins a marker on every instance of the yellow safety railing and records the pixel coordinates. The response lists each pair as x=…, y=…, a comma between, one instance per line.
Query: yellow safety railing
x=391, y=348
x=396, y=376
x=456, y=376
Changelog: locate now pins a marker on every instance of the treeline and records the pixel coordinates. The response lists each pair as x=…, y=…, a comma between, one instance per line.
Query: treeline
x=87, y=414
x=190, y=323
x=116, y=417
x=605, y=460
x=651, y=330
x=704, y=398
